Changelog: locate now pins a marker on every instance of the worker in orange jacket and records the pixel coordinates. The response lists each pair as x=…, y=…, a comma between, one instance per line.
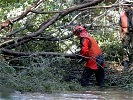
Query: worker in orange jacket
x=93, y=55
x=126, y=33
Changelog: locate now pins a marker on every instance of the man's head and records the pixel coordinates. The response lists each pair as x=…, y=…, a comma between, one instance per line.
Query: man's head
x=127, y=5
x=80, y=31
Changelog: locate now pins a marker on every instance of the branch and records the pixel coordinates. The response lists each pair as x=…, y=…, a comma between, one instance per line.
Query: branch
x=24, y=14
x=45, y=25
x=29, y=37
x=77, y=7
x=15, y=53
x=16, y=31
x=109, y=6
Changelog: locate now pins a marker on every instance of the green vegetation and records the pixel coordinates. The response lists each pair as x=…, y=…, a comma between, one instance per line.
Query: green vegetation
x=55, y=75
x=40, y=76
x=49, y=73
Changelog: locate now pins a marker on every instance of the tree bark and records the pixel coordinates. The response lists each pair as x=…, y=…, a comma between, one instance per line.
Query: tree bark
x=13, y=43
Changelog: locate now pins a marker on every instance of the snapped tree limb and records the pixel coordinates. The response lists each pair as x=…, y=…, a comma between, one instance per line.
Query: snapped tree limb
x=6, y=47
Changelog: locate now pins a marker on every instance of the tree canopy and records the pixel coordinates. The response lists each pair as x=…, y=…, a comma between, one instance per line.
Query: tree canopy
x=37, y=23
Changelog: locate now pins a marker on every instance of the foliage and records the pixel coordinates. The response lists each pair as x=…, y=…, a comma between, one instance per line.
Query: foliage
x=38, y=76
x=122, y=78
x=51, y=74
x=60, y=28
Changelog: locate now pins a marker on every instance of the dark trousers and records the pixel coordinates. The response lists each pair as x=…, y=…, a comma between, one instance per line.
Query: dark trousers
x=127, y=42
x=87, y=73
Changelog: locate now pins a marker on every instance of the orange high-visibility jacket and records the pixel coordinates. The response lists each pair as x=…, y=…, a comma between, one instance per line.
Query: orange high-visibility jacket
x=124, y=23
x=90, y=49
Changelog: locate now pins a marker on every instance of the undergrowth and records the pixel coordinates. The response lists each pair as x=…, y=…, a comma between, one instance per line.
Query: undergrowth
x=53, y=74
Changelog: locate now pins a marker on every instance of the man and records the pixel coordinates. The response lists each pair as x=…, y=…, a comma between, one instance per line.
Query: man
x=93, y=55
x=126, y=33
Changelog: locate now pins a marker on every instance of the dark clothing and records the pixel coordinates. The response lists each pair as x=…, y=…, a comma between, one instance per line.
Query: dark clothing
x=126, y=24
x=127, y=42
x=99, y=73
x=94, y=64
x=87, y=73
x=93, y=54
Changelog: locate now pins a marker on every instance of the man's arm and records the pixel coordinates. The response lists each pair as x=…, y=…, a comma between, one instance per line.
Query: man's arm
x=85, y=45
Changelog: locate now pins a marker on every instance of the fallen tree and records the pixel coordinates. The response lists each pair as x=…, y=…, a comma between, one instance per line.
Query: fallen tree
x=6, y=47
